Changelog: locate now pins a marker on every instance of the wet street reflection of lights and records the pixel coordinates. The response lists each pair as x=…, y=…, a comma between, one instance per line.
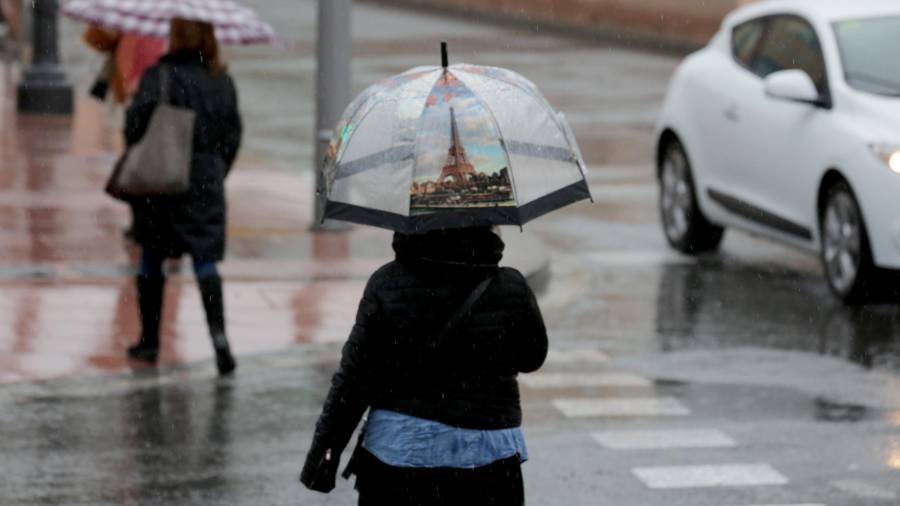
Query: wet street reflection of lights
x=893, y=460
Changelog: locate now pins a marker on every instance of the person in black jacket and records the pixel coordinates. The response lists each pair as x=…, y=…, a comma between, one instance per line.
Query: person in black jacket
x=444, y=420
x=194, y=222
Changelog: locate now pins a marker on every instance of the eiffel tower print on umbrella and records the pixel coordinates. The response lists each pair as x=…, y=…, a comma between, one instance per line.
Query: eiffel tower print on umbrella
x=459, y=183
x=451, y=146
x=457, y=167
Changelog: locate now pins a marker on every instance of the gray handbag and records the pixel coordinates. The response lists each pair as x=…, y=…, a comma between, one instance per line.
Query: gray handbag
x=160, y=163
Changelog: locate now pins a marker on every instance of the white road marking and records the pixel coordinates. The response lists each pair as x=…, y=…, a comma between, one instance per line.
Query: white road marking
x=572, y=356
x=728, y=475
x=561, y=380
x=651, y=406
x=663, y=439
x=804, y=504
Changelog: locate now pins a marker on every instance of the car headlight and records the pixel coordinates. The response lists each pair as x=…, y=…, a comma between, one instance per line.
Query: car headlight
x=889, y=154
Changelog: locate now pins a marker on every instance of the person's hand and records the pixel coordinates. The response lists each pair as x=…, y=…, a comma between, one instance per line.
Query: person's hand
x=320, y=470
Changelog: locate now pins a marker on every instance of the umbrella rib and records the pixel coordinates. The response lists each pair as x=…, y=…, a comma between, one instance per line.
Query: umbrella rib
x=339, y=156
x=526, y=87
x=512, y=177
x=520, y=86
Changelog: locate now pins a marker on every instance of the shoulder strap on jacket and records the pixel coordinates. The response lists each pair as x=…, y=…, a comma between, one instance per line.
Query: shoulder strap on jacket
x=164, y=84
x=463, y=310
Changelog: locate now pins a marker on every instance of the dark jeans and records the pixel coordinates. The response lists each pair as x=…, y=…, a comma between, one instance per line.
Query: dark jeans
x=152, y=266
x=497, y=484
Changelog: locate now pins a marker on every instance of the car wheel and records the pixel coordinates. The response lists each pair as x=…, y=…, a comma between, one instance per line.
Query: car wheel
x=846, y=256
x=684, y=225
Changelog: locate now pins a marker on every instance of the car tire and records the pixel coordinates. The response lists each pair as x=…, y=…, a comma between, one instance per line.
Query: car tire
x=683, y=223
x=845, y=251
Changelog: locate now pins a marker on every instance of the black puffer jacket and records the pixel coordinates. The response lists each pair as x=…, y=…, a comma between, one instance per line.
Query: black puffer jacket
x=389, y=361
x=194, y=222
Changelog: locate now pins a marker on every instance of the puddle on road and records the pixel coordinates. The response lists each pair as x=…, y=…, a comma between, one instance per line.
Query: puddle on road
x=830, y=411
x=729, y=305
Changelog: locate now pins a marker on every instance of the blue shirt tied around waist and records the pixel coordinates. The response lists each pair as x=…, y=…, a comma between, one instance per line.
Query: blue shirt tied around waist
x=402, y=440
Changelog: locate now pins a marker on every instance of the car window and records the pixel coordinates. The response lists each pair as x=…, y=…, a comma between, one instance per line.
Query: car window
x=790, y=43
x=869, y=54
x=744, y=40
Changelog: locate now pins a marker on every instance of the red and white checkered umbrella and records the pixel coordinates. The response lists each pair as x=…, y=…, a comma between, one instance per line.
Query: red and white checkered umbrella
x=235, y=23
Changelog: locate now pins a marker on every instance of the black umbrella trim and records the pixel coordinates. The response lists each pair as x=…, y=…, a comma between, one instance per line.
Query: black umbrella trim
x=458, y=218
x=552, y=201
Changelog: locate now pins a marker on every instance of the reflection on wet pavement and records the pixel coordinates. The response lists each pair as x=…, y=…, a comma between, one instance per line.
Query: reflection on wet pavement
x=893, y=459
x=829, y=411
x=168, y=432
x=64, y=329
x=66, y=284
x=712, y=304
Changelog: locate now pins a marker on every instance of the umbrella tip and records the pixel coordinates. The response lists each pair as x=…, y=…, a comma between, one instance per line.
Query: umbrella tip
x=444, y=58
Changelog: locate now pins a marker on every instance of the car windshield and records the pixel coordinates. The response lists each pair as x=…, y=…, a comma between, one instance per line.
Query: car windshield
x=869, y=53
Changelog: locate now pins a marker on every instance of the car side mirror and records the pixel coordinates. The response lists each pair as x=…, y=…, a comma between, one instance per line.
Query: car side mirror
x=794, y=85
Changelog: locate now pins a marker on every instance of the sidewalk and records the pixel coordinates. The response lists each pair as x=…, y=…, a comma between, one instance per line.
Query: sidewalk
x=66, y=292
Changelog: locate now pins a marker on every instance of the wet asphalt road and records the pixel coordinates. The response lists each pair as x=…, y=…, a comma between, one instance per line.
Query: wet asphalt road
x=745, y=346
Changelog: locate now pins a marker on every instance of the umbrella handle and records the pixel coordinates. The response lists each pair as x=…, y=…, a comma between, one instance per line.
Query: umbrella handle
x=444, y=59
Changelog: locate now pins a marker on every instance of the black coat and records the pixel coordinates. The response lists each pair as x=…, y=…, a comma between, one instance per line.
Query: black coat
x=193, y=222
x=389, y=362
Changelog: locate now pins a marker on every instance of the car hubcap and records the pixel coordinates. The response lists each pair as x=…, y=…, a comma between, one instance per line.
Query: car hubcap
x=677, y=198
x=843, y=242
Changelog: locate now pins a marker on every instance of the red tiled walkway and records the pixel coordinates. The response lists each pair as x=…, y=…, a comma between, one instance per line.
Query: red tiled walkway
x=66, y=296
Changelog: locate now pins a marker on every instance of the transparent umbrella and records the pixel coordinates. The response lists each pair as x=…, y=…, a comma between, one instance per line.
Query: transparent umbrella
x=451, y=146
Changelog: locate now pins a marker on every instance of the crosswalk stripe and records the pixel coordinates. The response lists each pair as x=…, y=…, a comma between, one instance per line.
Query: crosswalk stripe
x=728, y=475
x=651, y=406
x=562, y=380
x=663, y=439
x=573, y=356
x=804, y=504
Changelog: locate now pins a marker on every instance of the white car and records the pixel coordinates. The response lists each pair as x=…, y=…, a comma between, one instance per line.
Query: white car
x=787, y=125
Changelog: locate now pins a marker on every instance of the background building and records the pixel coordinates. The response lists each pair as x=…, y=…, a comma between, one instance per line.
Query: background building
x=667, y=24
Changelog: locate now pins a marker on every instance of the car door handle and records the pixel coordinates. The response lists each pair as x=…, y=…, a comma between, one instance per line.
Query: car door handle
x=732, y=114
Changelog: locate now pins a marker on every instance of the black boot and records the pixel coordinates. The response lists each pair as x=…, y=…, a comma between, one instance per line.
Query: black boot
x=214, y=304
x=150, y=299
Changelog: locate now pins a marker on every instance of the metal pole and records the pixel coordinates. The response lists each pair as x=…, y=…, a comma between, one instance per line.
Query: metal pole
x=44, y=87
x=332, y=90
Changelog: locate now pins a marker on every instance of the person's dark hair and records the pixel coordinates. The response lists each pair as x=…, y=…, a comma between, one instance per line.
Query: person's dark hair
x=199, y=36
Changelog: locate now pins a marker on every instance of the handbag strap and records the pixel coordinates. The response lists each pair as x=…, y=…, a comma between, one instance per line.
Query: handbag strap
x=462, y=311
x=164, y=79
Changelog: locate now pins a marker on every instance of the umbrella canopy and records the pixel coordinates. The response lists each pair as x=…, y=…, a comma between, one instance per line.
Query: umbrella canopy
x=447, y=147
x=235, y=24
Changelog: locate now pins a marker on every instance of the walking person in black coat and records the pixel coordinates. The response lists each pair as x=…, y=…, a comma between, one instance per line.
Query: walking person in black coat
x=440, y=336
x=194, y=222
